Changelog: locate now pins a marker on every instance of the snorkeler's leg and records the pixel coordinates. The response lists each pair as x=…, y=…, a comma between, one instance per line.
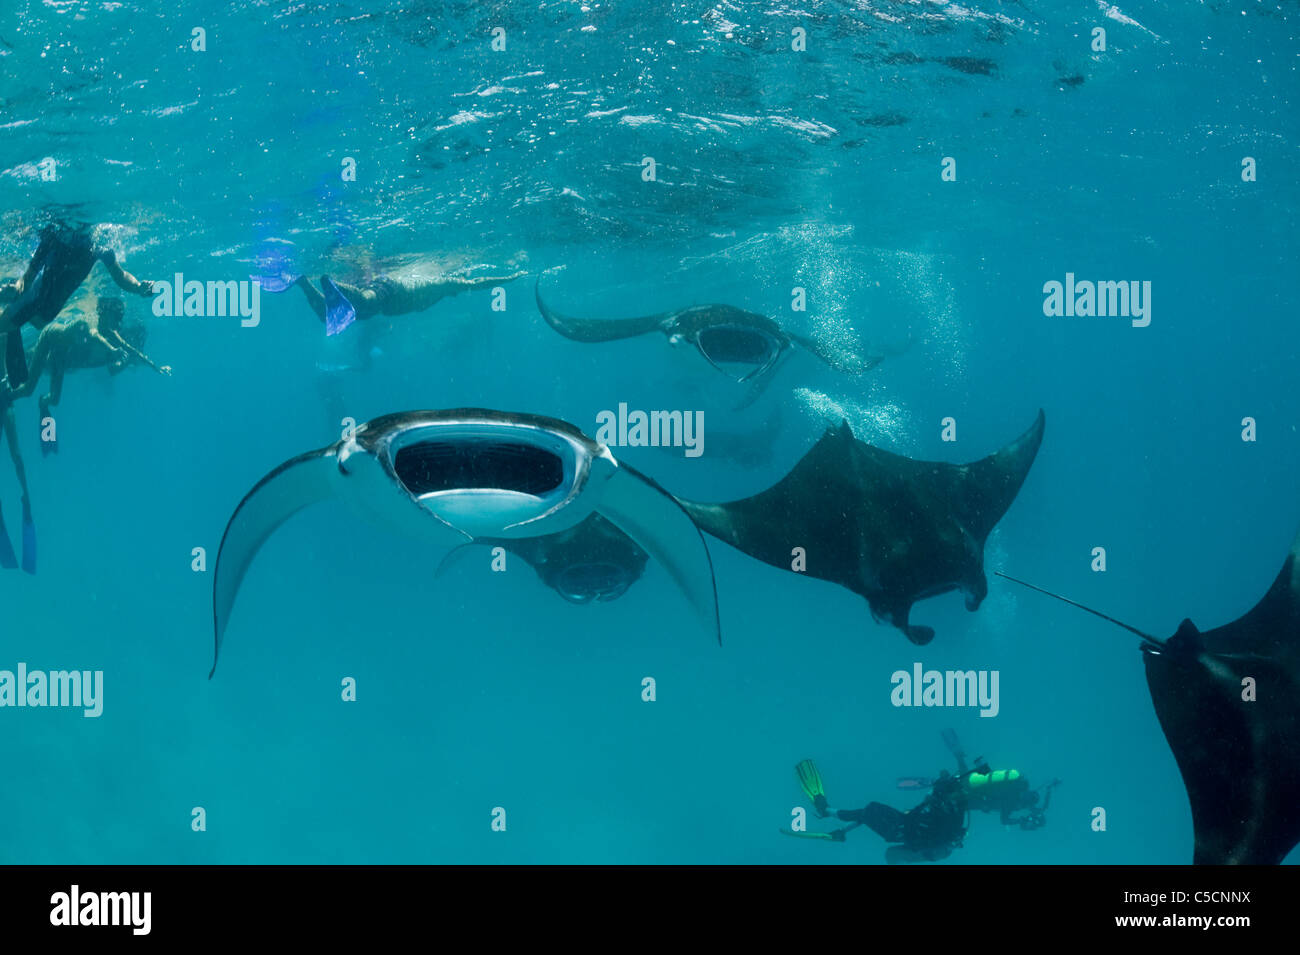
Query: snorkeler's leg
x=40, y=355
x=8, y=560
x=15, y=359
x=314, y=298
x=366, y=301
x=29, y=528
x=45, y=404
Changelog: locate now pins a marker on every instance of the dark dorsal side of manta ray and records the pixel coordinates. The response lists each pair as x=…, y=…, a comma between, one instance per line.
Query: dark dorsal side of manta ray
x=1238, y=750
x=726, y=336
x=592, y=562
x=886, y=527
x=455, y=477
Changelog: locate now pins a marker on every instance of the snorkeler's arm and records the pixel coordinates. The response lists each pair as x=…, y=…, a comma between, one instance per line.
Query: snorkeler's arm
x=455, y=284
x=122, y=344
x=118, y=343
x=122, y=277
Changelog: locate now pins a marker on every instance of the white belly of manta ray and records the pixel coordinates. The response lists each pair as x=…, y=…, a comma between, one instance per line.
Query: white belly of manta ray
x=487, y=512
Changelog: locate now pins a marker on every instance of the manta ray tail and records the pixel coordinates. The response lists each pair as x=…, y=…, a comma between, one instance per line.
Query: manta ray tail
x=298, y=482
x=596, y=330
x=988, y=486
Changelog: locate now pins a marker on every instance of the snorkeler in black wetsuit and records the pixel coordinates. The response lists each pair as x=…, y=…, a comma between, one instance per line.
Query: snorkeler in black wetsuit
x=63, y=259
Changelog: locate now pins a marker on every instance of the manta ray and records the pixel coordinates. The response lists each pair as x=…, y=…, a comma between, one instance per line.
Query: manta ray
x=1228, y=701
x=743, y=345
x=888, y=528
x=455, y=477
x=591, y=562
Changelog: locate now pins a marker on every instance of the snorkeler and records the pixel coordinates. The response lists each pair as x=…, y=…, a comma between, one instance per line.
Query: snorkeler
x=63, y=259
x=927, y=832
x=8, y=560
x=338, y=305
x=84, y=341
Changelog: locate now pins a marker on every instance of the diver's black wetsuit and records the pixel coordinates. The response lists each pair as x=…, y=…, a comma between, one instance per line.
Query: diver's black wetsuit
x=930, y=831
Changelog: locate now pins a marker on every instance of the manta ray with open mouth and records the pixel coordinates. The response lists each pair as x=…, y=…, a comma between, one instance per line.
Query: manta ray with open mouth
x=454, y=477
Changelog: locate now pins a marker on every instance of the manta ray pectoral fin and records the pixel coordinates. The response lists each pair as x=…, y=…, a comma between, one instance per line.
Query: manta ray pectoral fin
x=986, y=488
x=597, y=330
x=661, y=527
x=296, y=484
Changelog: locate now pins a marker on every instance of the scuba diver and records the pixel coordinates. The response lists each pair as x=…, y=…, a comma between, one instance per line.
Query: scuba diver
x=1004, y=791
x=339, y=305
x=8, y=560
x=63, y=259
x=927, y=832
x=86, y=338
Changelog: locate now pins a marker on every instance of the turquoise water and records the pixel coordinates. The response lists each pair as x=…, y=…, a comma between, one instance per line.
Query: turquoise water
x=774, y=169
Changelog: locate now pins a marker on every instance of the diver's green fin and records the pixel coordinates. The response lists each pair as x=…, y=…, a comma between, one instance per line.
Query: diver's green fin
x=824, y=836
x=810, y=779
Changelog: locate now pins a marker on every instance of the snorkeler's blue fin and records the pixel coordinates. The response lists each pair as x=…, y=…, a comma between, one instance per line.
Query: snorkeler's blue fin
x=29, y=541
x=278, y=282
x=7, y=559
x=339, y=313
